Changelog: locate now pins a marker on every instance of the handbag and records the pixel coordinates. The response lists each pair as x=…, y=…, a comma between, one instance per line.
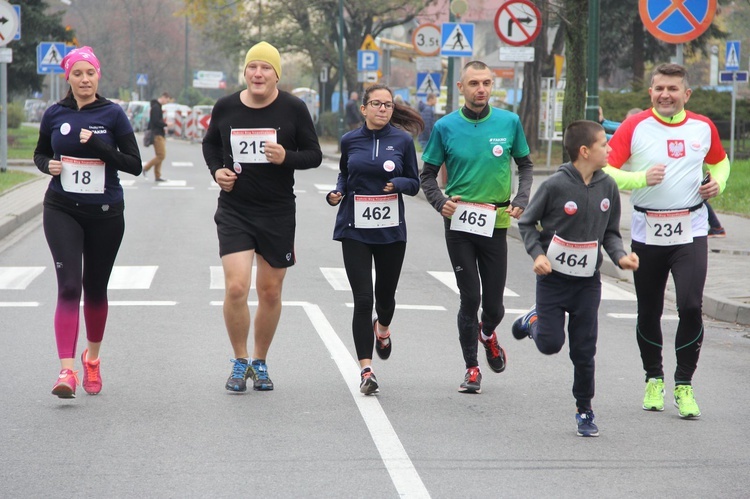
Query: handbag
x=148, y=138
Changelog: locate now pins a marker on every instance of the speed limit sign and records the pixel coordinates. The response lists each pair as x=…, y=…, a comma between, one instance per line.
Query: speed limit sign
x=426, y=39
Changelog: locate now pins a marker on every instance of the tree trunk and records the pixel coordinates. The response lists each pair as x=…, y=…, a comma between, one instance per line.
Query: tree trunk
x=528, y=109
x=639, y=67
x=576, y=38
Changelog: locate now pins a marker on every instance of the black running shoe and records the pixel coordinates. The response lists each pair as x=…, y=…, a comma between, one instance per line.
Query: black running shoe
x=472, y=381
x=586, y=425
x=382, y=345
x=495, y=353
x=368, y=383
x=259, y=372
x=236, y=381
x=522, y=326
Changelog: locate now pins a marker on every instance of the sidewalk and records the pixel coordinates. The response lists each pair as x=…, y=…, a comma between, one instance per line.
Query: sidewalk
x=726, y=295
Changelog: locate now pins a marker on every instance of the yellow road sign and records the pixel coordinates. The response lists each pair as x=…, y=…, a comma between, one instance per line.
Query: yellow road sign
x=369, y=44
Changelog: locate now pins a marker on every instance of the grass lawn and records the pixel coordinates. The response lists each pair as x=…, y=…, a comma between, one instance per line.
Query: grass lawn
x=12, y=177
x=736, y=197
x=22, y=141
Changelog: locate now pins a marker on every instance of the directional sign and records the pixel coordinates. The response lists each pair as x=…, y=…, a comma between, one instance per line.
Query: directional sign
x=516, y=54
x=426, y=39
x=428, y=83
x=49, y=55
x=368, y=60
x=8, y=23
x=518, y=22
x=677, y=21
x=18, y=13
x=732, y=59
x=730, y=76
x=457, y=39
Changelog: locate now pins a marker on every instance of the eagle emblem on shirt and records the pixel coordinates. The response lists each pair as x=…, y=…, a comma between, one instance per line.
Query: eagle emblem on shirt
x=676, y=148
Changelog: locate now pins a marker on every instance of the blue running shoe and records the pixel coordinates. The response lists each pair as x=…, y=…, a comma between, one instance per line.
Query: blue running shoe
x=236, y=381
x=522, y=326
x=259, y=373
x=586, y=426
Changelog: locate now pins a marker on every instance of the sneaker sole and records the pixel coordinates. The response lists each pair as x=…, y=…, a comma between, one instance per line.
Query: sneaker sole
x=369, y=389
x=688, y=416
x=263, y=388
x=64, y=391
x=469, y=390
x=653, y=408
x=587, y=434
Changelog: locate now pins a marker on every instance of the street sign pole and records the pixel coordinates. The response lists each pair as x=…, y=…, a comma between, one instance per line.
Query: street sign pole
x=731, y=132
x=4, y=117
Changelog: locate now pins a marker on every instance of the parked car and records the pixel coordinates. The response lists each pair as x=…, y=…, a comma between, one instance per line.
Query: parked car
x=34, y=109
x=138, y=112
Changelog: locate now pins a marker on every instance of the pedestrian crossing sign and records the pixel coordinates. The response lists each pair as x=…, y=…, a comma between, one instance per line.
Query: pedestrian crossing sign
x=732, y=60
x=428, y=83
x=457, y=40
x=49, y=55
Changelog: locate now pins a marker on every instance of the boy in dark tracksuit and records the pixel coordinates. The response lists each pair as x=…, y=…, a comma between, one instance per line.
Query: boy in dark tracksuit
x=578, y=208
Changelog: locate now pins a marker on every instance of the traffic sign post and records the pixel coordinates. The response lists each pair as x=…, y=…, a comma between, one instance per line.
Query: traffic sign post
x=457, y=40
x=8, y=30
x=518, y=22
x=734, y=77
x=677, y=21
x=426, y=39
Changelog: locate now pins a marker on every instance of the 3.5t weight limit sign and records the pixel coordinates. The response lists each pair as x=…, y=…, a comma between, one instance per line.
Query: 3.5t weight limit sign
x=426, y=39
x=518, y=22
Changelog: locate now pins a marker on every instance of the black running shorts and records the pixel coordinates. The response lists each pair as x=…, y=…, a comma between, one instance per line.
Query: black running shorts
x=272, y=237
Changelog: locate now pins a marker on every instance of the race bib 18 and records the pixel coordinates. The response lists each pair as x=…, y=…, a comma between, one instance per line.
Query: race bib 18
x=82, y=175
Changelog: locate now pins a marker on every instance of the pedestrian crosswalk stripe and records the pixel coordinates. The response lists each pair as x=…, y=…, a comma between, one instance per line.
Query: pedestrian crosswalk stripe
x=182, y=164
x=449, y=279
x=435, y=308
x=9, y=304
x=18, y=277
x=612, y=292
x=132, y=277
x=666, y=317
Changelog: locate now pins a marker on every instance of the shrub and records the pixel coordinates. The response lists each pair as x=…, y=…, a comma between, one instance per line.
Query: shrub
x=15, y=115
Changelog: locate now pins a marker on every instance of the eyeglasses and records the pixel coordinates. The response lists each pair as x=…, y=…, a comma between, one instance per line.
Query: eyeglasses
x=376, y=104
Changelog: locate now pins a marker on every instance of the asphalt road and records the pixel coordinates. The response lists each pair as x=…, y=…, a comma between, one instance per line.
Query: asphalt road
x=164, y=426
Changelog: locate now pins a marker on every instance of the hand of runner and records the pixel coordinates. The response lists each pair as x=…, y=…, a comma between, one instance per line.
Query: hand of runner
x=275, y=153
x=389, y=187
x=655, y=174
x=542, y=265
x=55, y=167
x=334, y=198
x=226, y=179
x=629, y=262
x=514, y=211
x=85, y=135
x=449, y=208
x=709, y=190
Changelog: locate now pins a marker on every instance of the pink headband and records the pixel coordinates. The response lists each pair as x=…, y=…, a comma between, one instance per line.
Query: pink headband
x=80, y=54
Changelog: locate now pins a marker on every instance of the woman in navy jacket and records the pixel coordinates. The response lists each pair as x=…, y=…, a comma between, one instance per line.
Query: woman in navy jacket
x=378, y=165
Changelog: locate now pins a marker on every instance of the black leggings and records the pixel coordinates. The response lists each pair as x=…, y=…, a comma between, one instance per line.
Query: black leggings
x=358, y=258
x=688, y=264
x=476, y=257
x=84, y=251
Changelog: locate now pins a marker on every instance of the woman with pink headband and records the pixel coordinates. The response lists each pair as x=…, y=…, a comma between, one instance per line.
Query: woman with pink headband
x=84, y=140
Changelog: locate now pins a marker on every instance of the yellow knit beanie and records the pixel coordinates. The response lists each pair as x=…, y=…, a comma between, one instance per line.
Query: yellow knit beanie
x=264, y=51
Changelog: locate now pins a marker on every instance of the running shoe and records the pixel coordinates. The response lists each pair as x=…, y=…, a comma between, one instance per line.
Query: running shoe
x=472, y=381
x=586, y=425
x=92, y=380
x=717, y=232
x=382, y=345
x=495, y=353
x=259, y=373
x=237, y=380
x=685, y=401
x=368, y=383
x=65, y=386
x=653, y=400
x=522, y=325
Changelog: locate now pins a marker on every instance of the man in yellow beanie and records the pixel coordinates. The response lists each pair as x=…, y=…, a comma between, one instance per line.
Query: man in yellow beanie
x=257, y=138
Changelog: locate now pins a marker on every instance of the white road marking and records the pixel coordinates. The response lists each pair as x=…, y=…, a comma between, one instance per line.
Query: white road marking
x=18, y=277
x=668, y=317
x=127, y=182
x=612, y=292
x=324, y=188
x=132, y=277
x=449, y=279
x=10, y=304
x=142, y=303
x=182, y=164
x=436, y=308
x=403, y=474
